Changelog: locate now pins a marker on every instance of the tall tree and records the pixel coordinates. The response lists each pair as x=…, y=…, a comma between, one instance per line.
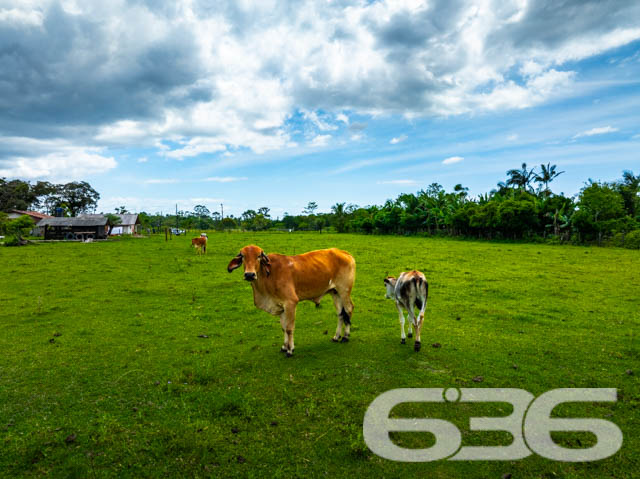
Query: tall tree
x=339, y=217
x=521, y=178
x=79, y=197
x=16, y=195
x=547, y=174
x=629, y=188
x=113, y=220
x=311, y=207
x=600, y=209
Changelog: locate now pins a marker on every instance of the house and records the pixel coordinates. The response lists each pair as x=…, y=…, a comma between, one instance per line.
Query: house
x=76, y=228
x=35, y=216
x=129, y=224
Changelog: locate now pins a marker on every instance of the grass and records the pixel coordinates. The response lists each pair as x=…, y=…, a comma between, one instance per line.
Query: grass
x=104, y=370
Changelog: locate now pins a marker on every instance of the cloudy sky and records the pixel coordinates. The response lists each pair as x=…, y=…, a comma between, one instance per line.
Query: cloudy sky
x=278, y=103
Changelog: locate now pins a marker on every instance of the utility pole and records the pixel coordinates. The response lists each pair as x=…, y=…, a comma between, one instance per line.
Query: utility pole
x=177, y=224
x=222, y=211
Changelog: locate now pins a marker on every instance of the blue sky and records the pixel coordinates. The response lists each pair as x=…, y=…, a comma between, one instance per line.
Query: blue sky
x=277, y=104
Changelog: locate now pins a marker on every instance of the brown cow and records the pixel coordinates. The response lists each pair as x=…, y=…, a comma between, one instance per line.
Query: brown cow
x=200, y=243
x=279, y=282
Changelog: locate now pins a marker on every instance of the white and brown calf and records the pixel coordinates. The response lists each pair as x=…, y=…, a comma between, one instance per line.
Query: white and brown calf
x=410, y=290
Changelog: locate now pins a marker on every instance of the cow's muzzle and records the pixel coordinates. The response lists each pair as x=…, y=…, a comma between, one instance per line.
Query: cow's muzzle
x=250, y=276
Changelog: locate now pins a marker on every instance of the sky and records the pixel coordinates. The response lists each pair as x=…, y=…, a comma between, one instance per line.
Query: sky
x=279, y=103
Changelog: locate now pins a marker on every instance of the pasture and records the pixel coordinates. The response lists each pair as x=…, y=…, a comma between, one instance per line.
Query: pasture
x=138, y=358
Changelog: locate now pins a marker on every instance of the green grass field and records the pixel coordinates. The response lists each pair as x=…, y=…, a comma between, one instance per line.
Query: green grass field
x=103, y=371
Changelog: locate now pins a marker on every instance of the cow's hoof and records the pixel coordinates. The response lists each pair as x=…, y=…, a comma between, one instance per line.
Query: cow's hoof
x=410, y=335
x=403, y=341
x=344, y=340
x=335, y=340
x=289, y=354
x=283, y=349
x=416, y=346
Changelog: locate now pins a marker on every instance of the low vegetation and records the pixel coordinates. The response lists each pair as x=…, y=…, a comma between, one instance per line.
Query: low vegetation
x=138, y=358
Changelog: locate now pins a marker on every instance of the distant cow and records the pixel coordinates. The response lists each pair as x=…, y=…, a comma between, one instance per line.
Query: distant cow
x=200, y=243
x=279, y=282
x=410, y=290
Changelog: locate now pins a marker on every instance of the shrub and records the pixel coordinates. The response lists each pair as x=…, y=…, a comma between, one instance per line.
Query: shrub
x=632, y=240
x=12, y=241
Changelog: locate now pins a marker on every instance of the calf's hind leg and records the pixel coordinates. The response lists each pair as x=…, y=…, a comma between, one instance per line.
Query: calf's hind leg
x=403, y=338
x=412, y=315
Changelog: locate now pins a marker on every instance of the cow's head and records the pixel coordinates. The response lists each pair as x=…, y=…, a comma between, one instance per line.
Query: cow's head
x=390, y=284
x=255, y=261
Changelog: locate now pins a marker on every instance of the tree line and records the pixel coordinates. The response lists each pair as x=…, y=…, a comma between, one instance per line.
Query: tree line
x=523, y=206
x=69, y=199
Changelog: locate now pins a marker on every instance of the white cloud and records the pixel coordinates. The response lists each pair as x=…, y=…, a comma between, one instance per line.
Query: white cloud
x=56, y=160
x=603, y=130
x=512, y=137
x=125, y=131
x=320, y=140
x=343, y=118
x=31, y=17
x=320, y=123
x=194, y=147
x=398, y=139
x=452, y=159
x=143, y=159
x=226, y=179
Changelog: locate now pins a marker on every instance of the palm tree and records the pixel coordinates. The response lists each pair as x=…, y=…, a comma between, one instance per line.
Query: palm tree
x=630, y=180
x=629, y=189
x=521, y=178
x=339, y=215
x=547, y=174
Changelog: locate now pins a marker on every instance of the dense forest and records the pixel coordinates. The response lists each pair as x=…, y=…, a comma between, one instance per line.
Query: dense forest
x=521, y=207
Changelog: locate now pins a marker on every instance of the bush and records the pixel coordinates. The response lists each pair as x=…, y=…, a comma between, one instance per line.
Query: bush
x=632, y=240
x=617, y=240
x=12, y=241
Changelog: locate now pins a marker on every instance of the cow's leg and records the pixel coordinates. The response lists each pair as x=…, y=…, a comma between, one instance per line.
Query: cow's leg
x=289, y=316
x=283, y=324
x=416, y=345
x=412, y=316
x=403, y=339
x=337, y=302
x=410, y=334
x=346, y=312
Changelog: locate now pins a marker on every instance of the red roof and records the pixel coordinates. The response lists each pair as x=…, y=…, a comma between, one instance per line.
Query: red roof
x=34, y=214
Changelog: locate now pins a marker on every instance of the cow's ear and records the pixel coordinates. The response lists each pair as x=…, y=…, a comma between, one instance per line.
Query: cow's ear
x=266, y=264
x=235, y=263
